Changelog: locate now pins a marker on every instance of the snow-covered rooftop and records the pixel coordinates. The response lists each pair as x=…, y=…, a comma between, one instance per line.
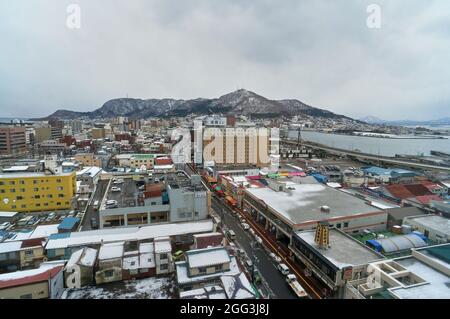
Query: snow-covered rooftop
x=162, y=245
x=302, y=204
x=129, y=233
x=237, y=287
x=110, y=251
x=84, y=257
x=343, y=251
x=183, y=278
x=207, y=257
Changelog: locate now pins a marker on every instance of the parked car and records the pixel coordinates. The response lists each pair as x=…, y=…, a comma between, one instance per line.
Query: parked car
x=249, y=263
x=283, y=269
x=231, y=234
x=178, y=255
x=118, y=181
x=245, y=226
x=111, y=203
x=275, y=257
x=115, y=189
x=94, y=224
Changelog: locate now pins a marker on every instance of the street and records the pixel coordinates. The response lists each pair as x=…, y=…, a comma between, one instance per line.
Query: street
x=263, y=262
x=90, y=212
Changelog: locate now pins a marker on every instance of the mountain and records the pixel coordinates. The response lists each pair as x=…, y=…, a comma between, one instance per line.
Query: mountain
x=372, y=120
x=376, y=120
x=240, y=102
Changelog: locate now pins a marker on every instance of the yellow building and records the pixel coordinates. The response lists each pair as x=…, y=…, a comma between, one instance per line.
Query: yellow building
x=34, y=191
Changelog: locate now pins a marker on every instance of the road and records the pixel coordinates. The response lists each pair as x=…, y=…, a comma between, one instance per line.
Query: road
x=371, y=157
x=263, y=262
x=90, y=212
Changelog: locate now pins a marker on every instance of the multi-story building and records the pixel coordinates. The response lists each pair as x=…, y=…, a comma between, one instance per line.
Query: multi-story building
x=237, y=145
x=88, y=159
x=36, y=191
x=12, y=140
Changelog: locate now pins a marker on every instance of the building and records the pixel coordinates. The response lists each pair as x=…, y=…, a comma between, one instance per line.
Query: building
x=46, y=282
x=79, y=269
x=8, y=217
x=207, y=240
x=285, y=206
x=109, y=263
x=343, y=259
x=397, y=215
x=204, y=267
x=163, y=255
x=88, y=159
x=434, y=227
x=12, y=140
x=189, y=198
x=61, y=246
x=68, y=224
x=98, y=133
x=424, y=274
x=36, y=191
x=237, y=145
x=51, y=147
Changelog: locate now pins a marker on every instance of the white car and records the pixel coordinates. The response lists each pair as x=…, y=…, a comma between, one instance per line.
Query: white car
x=118, y=181
x=245, y=226
x=115, y=189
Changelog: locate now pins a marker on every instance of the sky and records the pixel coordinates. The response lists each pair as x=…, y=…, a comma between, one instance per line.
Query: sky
x=318, y=51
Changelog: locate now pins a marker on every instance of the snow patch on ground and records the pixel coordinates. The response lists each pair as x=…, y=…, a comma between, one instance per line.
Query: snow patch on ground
x=149, y=288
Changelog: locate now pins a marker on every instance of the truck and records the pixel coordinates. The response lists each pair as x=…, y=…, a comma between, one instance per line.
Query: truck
x=296, y=287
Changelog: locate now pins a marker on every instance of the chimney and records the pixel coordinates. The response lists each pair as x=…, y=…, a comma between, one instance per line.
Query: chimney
x=322, y=237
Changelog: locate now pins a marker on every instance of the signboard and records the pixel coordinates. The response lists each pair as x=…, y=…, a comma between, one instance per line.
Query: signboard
x=347, y=273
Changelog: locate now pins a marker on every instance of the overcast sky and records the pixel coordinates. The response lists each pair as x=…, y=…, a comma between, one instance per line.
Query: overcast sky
x=320, y=52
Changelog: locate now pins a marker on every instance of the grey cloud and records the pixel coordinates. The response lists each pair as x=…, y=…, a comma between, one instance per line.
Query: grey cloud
x=318, y=51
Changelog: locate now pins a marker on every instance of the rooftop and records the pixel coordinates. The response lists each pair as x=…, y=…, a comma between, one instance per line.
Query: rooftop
x=32, y=175
x=127, y=234
x=183, y=278
x=207, y=257
x=111, y=250
x=303, y=203
x=343, y=251
x=435, y=222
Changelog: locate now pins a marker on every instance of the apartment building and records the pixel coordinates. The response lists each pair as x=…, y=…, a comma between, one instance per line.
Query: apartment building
x=36, y=191
x=12, y=140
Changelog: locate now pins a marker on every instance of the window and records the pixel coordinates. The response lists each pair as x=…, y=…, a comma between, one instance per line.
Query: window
x=12, y=190
x=26, y=296
x=163, y=266
x=37, y=196
x=49, y=196
x=218, y=267
x=12, y=182
x=163, y=256
x=36, y=189
x=58, y=204
x=58, y=180
x=338, y=225
x=109, y=273
x=59, y=188
x=19, y=197
x=345, y=224
x=29, y=253
x=23, y=206
x=201, y=270
x=60, y=195
x=2, y=191
x=21, y=182
x=35, y=181
x=22, y=190
x=2, y=183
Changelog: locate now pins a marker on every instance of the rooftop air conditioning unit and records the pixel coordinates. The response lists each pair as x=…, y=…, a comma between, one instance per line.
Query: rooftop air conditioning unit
x=325, y=209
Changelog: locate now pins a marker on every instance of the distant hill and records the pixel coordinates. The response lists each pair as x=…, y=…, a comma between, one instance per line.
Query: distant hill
x=240, y=102
x=376, y=120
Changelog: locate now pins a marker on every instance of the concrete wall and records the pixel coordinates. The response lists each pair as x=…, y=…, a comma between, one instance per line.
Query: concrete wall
x=37, y=291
